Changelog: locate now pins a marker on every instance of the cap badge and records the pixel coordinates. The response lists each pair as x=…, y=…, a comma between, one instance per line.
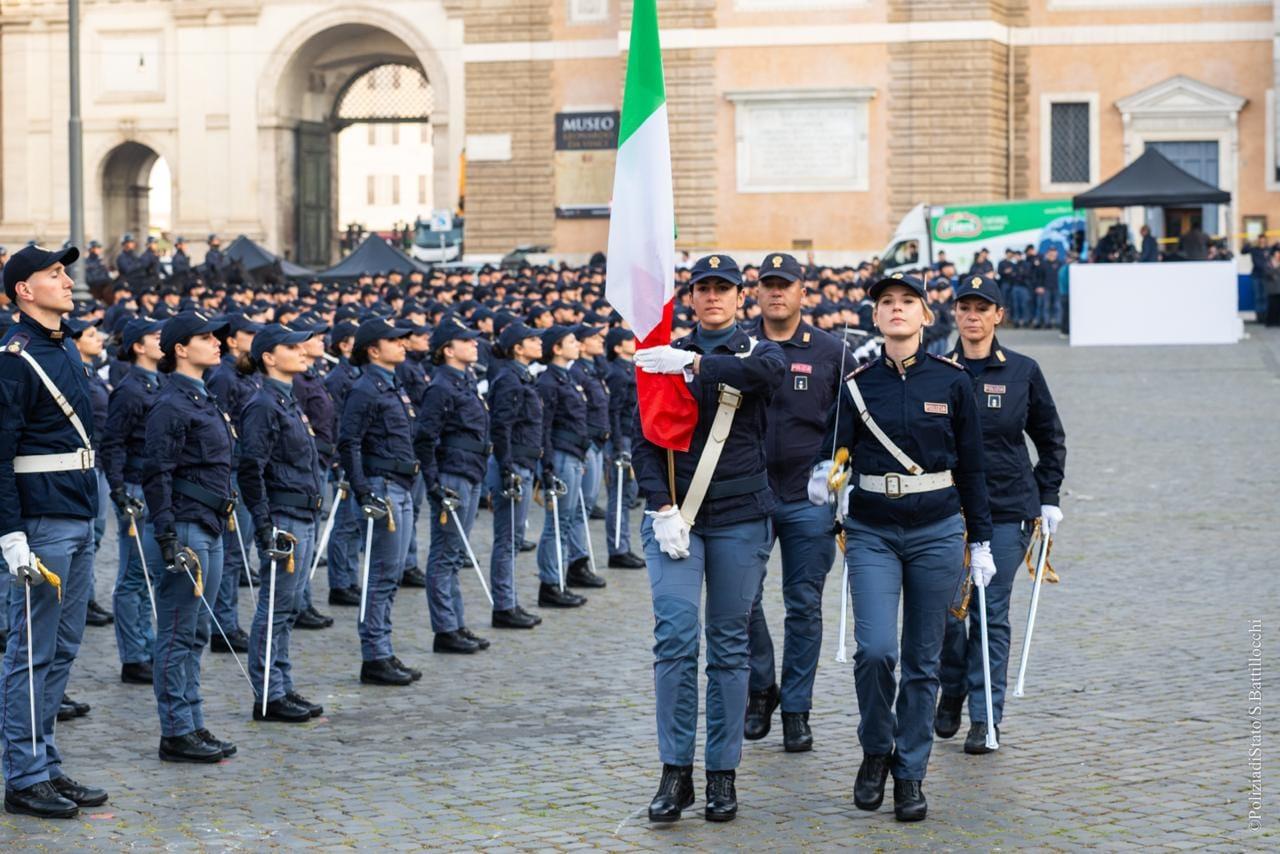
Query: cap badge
x=977, y=283
x=896, y=276
x=714, y=262
x=777, y=261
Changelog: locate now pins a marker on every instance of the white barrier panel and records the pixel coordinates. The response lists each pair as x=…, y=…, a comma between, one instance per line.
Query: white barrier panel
x=1192, y=302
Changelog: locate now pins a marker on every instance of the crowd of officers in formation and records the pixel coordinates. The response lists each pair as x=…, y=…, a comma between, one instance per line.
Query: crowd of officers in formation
x=315, y=423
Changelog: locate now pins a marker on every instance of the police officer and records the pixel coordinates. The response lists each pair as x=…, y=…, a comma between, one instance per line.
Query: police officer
x=620, y=351
x=516, y=429
x=797, y=424
x=723, y=543
x=89, y=342
x=48, y=501
x=344, y=542
x=375, y=443
x=123, y=451
x=282, y=486
x=129, y=265
x=215, y=262
x=186, y=485
x=452, y=444
x=1014, y=401
x=151, y=263
x=180, y=265
x=96, y=275
x=565, y=440
x=414, y=376
x=313, y=398
x=913, y=473
x=233, y=382
x=590, y=374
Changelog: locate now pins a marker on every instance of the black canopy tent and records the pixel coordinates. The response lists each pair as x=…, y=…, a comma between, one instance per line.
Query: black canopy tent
x=256, y=261
x=1151, y=181
x=373, y=256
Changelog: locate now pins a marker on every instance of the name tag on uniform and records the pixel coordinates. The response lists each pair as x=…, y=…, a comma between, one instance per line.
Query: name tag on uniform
x=935, y=408
x=993, y=401
x=993, y=389
x=801, y=368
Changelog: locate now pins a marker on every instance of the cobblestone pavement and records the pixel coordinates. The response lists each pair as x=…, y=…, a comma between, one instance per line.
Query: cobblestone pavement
x=1133, y=732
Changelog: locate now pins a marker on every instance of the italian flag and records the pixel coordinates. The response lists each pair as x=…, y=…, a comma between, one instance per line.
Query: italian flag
x=640, y=282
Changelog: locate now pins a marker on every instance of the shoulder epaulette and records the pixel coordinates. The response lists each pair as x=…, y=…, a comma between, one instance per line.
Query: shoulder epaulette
x=944, y=360
x=17, y=343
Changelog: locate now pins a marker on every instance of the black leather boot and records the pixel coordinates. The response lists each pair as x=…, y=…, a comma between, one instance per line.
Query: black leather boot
x=283, y=711
x=81, y=796
x=96, y=615
x=228, y=748
x=626, y=560
x=946, y=722
x=550, y=596
x=580, y=575
x=760, y=707
x=188, y=748
x=414, y=673
x=796, y=735
x=908, y=800
x=315, y=709
x=868, y=788
x=537, y=621
x=675, y=793
x=136, y=673
x=347, y=596
x=383, y=672
x=413, y=577
x=512, y=618
x=40, y=800
x=483, y=643
x=975, y=743
x=454, y=641
x=722, y=796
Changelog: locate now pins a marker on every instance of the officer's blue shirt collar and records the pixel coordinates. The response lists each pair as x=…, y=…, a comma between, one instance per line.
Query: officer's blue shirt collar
x=802, y=337
x=61, y=334
x=382, y=373
x=189, y=384
x=552, y=366
x=275, y=385
x=454, y=373
x=151, y=375
x=996, y=358
x=908, y=364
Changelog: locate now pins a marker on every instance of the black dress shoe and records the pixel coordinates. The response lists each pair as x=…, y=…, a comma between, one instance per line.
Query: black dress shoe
x=239, y=641
x=228, y=748
x=136, y=673
x=95, y=615
x=596, y=513
x=946, y=722
x=413, y=577
x=314, y=709
x=473, y=637
x=347, y=596
x=66, y=712
x=188, y=748
x=526, y=546
x=760, y=706
x=81, y=709
x=537, y=621
x=283, y=711
x=626, y=560
x=81, y=796
x=512, y=618
x=796, y=735
x=40, y=800
x=414, y=673
x=908, y=800
x=551, y=596
x=868, y=788
x=675, y=793
x=328, y=621
x=454, y=641
x=309, y=619
x=580, y=575
x=383, y=672
x=975, y=743
x=722, y=796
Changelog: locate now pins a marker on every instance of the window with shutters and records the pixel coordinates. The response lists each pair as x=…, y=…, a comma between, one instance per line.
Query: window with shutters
x=1068, y=141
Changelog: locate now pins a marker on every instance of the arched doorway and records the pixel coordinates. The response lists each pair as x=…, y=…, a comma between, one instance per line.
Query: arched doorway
x=128, y=172
x=316, y=91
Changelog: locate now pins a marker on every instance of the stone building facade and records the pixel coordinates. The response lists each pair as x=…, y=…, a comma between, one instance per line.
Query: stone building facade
x=795, y=123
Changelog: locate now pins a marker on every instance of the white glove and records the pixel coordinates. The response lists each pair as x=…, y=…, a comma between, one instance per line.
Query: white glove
x=664, y=359
x=982, y=567
x=671, y=531
x=17, y=554
x=1050, y=518
x=818, y=492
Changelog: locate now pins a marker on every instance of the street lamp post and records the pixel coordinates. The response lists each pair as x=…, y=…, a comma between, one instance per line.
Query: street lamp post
x=75, y=147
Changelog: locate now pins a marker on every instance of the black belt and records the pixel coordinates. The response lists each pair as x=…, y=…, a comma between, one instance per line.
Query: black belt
x=219, y=504
x=579, y=442
x=325, y=448
x=385, y=465
x=301, y=500
x=731, y=488
x=463, y=443
x=526, y=453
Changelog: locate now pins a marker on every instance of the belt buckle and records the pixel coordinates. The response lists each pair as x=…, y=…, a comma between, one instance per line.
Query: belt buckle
x=730, y=396
x=86, y=458
x=893, y=485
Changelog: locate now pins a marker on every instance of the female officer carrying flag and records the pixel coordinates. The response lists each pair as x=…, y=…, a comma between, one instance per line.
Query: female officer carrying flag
x=914, y=435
